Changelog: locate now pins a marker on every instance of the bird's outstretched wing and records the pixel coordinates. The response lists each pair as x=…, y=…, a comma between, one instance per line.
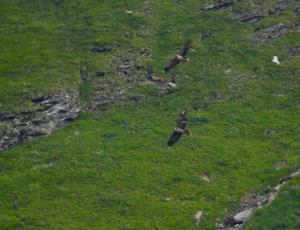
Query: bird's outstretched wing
x=178, y=58
x=174, y=138
x=187, y=46
x=172, y=64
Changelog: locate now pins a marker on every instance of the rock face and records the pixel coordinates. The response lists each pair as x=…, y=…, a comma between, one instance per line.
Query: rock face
x=52, y=112
x=294, y=52
x=257, y=10
x=254, y=10
x=270, y=33
x=219, y=5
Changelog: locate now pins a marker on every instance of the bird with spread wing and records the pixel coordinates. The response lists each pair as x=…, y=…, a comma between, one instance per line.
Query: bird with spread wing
x=179, y=57
x=180, y=128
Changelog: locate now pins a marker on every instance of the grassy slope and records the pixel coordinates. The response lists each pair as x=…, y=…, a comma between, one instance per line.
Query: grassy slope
x=115, y=171
x=45, y=43
x=283, y=213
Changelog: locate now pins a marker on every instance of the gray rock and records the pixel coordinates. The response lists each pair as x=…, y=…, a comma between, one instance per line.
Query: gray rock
x=270, y=33
x=250, y=18
x=294, y=52
x=99, y=73
x=101, y=49
x=242, y=216
x=219, y=5
x=277, y=188
x=173, y=85
x=297, y=11
x=206, y=178
x=280, y=164
x=198, y=216
x=54, y=111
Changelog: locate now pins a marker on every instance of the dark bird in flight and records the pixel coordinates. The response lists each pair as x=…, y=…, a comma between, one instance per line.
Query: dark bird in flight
x=180, y=128
x=179, y=57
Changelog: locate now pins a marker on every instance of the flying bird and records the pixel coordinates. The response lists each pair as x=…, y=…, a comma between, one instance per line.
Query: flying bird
x=180, y=128
x=180, y=57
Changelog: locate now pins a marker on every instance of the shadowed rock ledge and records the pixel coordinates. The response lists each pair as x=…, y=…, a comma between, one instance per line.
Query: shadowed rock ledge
x=51, y=112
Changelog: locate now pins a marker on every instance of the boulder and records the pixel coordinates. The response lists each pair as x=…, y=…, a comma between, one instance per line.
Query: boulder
x=99, y=73
x=198, y=216
x=242, y=216
x=101, y=49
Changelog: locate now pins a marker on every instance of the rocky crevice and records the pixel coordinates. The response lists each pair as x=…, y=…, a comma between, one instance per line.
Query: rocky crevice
x=51, y=111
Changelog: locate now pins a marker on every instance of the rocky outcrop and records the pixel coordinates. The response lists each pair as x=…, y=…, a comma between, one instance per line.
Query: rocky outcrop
x=124, y=73
x=257, y=10
x=218, y=5
x=293, y=52
x=50, y=112
x=254, y=201
x=254, y=10
x=101, y=49
x=297, y=11
x=270, y=33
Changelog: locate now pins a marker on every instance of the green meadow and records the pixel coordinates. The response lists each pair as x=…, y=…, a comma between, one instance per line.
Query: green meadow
x=113, y=169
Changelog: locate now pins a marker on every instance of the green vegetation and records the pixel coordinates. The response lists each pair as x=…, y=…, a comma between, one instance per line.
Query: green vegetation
x=283, y=213
x=113, y=170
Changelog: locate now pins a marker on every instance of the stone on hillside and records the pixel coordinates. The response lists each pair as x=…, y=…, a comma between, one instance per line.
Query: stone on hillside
x=228, y=71
x=270, y=33
x=279, y=164
x=275, y=60
x=219, y=5
x=295, y=173
x=198, y=216
x=99, y=73
x=173, y=85
x=101, y=49
x=250, y=18
x=53, y=111
x=155, y=79
x=272, y=197
x=242, y=216
x=297, y=11
x=146, y=52
x=277, y=187
x=204, y=35
x=293, y=52
x=206, y=178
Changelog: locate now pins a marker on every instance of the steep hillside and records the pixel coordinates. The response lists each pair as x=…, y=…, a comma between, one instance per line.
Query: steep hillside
x=94, y=70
